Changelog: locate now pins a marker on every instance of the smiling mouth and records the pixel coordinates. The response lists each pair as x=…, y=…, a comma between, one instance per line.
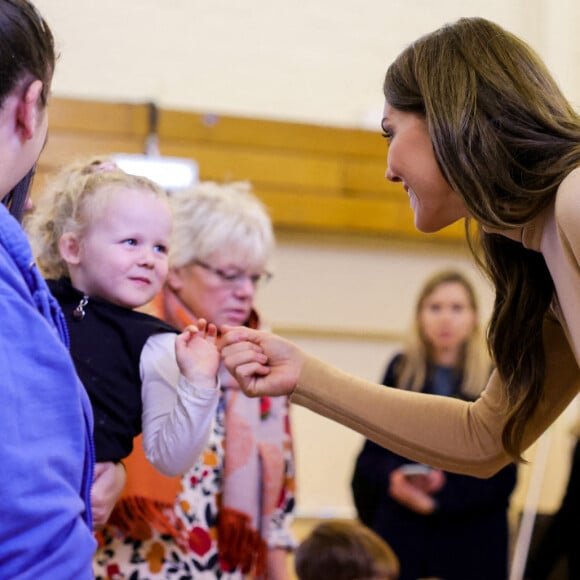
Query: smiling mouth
x=143, y=281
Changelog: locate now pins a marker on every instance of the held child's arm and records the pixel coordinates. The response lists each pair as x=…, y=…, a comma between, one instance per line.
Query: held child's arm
x=177, y=415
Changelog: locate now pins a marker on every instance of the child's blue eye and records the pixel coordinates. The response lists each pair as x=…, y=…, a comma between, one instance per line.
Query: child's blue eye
x=130, y=242
x=161, y=248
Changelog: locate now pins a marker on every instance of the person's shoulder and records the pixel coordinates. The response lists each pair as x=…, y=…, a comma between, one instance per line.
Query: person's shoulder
x=397, y=360
x=567, y=208
x=161, y=341
x=13, y=242
x=393, y=367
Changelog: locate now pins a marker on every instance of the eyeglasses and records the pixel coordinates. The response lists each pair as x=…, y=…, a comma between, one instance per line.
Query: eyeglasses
x=234, y=279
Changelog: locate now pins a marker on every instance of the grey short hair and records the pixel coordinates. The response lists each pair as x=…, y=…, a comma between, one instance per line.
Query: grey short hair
x=211, y=217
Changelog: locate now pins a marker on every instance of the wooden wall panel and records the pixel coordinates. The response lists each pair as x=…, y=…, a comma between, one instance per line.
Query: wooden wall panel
x=178, y=125
x=264, y=165
x=312, y=178
x=95, y=117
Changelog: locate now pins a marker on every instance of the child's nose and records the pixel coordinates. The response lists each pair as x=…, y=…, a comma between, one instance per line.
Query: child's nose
x=147, y=258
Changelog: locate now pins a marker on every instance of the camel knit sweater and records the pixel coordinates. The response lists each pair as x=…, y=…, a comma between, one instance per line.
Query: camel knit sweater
x=456, y=435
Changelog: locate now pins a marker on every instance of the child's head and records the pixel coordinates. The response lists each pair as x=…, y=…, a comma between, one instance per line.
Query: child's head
x=345, y=550
x=106, y=230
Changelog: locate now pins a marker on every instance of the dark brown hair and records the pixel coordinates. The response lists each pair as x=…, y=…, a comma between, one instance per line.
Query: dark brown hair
x=345, y=550
x=504, y=137
x=26, y=47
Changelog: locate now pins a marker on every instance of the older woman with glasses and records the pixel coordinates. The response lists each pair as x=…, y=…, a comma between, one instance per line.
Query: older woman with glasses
x=229, y=515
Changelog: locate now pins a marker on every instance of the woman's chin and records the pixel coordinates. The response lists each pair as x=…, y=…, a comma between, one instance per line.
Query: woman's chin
x=430, y=226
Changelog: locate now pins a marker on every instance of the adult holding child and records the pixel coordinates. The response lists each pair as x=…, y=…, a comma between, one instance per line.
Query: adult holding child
x=229, y=516
x=436, y=521
x=46, y=442
x=489, y=137
x=101, y=237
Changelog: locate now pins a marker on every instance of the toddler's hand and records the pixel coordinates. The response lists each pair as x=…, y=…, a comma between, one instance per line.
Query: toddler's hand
x=197, y=355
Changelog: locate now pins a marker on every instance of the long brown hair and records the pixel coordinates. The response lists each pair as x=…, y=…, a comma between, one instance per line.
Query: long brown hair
x=504, y=137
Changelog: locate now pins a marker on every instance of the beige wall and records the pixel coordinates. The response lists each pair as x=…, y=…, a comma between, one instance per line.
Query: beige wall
x=320, y=62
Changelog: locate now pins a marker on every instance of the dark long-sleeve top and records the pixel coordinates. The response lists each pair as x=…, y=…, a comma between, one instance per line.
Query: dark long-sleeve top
x=470, y=512
x=461, y=496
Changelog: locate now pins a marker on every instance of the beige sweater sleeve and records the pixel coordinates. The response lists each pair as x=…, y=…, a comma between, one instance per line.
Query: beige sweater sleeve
x=453, y=434
x=440, y=431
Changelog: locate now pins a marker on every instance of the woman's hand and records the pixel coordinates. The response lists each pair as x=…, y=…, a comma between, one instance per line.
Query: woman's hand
x=108, y=484
x=416, y=492
x=263, y=364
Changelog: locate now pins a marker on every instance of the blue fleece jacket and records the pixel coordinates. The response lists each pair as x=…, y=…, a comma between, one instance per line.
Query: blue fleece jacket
x=46, y=448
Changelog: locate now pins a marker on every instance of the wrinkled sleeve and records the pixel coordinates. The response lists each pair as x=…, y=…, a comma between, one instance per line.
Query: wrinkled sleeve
x=177, y=415
x=441, y=431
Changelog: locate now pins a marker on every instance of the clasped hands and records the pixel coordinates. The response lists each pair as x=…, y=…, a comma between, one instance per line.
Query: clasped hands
x=263, y=364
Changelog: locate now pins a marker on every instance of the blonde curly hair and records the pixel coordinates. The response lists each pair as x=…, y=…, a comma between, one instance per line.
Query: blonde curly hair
x=71, y=202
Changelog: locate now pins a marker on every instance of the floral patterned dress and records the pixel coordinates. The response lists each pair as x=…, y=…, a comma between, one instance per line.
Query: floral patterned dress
x=197, y=506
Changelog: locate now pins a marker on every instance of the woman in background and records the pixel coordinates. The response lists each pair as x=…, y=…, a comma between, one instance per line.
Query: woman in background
x=437, y=521
x=229, y=515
